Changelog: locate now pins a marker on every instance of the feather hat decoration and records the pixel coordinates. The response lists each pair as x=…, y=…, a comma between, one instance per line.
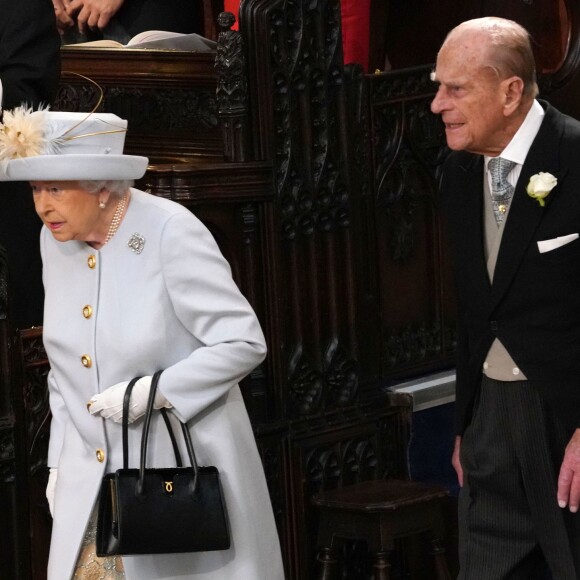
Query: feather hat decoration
x=22, y=133
x=64, y=146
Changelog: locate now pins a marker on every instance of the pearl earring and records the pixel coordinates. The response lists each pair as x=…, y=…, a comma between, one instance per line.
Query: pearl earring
x=102, y=204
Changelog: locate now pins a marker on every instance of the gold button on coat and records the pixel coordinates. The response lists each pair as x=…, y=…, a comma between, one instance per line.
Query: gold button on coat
x=86, y=361
x=87, y=311
x=92, y=261
x=100, y=455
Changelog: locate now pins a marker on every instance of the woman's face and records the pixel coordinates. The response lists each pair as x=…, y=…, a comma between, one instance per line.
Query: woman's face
x=69, y=212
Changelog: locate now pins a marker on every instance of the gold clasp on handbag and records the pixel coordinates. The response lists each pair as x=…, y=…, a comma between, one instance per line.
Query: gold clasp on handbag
x=168, y=487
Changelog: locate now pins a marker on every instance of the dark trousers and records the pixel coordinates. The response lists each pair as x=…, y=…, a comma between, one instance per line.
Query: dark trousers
x=510, y=525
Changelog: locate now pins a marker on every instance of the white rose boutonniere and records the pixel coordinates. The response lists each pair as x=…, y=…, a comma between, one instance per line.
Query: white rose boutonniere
x=540, y=186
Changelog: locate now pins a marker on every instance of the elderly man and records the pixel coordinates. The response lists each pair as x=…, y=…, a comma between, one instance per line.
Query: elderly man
x=29, y=73
x=512, y=193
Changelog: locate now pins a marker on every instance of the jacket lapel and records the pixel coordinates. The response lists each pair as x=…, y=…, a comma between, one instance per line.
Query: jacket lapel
x=525, y=213
x=469, y=220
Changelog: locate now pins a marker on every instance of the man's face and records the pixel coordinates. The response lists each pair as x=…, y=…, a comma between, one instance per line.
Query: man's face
x=470, y=98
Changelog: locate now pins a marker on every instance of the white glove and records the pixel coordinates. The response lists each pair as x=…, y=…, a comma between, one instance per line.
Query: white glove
x=109, y=403
x=52, y=475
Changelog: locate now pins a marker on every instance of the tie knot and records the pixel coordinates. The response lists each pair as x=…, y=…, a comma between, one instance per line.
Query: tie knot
x=499, y=169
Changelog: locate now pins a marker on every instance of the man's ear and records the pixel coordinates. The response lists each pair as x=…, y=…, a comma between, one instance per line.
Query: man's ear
x=513, y=91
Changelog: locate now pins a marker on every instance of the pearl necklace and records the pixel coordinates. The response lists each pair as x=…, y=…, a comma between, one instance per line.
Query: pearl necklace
x=116, y=221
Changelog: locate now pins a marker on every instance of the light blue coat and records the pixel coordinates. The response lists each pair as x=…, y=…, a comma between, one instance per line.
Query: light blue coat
x=174, y=306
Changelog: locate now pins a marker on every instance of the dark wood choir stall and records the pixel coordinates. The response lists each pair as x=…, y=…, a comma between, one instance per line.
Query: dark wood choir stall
x=320, y=186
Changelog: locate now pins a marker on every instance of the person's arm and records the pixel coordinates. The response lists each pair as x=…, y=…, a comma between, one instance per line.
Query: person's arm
x=208, y=303
x=58, y=422
x=29, y=53
x=569, y=478
x=92, y=14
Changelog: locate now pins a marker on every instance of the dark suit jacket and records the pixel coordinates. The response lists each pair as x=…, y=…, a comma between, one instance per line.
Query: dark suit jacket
x=533, y=306
x=29, y=69
x=29, y=52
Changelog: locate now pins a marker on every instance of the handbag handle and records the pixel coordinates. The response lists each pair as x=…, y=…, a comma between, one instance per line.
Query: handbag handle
x=140, y=489
x=126, y=401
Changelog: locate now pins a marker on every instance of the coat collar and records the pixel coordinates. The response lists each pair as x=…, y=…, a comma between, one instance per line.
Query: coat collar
x=524, y=216
x=525, y=213
x=468, y=209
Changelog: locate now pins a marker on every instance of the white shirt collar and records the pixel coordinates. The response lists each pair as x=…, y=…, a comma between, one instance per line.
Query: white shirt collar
x=517, y=149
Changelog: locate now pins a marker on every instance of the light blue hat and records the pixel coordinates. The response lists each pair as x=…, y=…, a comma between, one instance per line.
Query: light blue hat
x=61, y=146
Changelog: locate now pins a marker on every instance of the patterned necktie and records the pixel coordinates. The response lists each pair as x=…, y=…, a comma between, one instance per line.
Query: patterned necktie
x=501, y=190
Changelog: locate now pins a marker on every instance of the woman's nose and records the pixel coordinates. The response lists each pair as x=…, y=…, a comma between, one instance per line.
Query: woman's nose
x=40, y=198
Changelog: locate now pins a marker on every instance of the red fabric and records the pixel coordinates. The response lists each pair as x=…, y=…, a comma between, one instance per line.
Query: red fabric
x=232, y=6
x=355, y=29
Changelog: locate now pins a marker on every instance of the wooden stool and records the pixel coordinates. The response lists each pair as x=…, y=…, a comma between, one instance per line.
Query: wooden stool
x=378, y=512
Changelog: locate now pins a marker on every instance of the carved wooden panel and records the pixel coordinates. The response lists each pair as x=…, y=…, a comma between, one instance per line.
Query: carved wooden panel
x=416, y=312
x=29, y=378
x=167, y=97
x=301, y=119
x=24, y=430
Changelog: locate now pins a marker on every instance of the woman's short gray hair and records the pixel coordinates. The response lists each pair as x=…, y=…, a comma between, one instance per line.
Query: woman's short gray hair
x=114, y=186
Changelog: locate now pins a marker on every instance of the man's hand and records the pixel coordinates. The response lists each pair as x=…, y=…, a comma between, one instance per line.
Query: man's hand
x=456, y=461
x=569, y=479
x=91, y=14
x=63, y=20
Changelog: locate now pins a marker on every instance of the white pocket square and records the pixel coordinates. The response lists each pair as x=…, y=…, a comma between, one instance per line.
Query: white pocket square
x=549, y=245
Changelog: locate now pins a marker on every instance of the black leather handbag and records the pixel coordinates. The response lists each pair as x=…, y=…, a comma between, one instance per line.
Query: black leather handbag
x=160, y=511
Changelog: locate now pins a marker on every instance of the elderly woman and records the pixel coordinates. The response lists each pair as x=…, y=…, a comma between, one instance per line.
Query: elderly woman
x=134, y=284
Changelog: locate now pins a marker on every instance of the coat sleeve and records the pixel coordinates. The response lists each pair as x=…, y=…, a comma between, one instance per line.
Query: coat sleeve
x=29, y=52
x=464, y=380
x=60, y=418
x=208, y=303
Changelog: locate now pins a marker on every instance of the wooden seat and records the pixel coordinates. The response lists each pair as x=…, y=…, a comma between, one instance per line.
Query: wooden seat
x=379, y=512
